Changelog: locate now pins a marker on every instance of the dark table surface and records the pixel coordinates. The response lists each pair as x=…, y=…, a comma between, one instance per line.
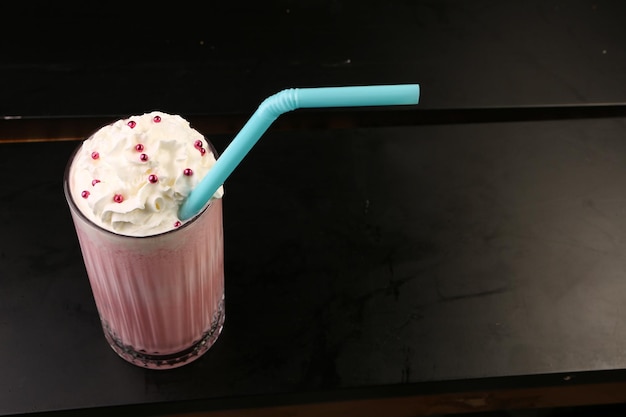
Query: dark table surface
x=466, y=254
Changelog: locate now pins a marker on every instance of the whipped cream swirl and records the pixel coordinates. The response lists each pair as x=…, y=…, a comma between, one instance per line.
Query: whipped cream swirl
x=131, y=176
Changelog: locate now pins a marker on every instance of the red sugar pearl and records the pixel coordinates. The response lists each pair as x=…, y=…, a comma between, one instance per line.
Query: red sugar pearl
x=202, y=151
x=188, y=172
x=157, y=119
x=177, y=223
x=153, y=178
x=94, y=182
x=139, y=147
x=131, y=124
x=198, y=144
x=118, y=198
x=95, y=155
x=84, y=194
x=143, y=157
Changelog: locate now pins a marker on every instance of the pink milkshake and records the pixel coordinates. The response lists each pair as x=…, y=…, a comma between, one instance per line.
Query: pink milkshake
x=158, y=282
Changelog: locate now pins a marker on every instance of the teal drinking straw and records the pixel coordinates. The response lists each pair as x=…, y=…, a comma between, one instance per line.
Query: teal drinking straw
x=282, y=102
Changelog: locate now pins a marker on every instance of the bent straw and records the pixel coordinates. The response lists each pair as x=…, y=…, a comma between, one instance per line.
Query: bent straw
x=282, y=102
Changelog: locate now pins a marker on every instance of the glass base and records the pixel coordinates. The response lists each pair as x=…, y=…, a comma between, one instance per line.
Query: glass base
x=173, y=360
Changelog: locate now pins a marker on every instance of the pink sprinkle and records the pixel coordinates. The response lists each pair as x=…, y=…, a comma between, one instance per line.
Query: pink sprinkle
x=132, y=124
x=177, y=224
x=153, y=178
x=94, y=182
x=95, y=155
x=143, y=157
x=118, y=198
x=84, y=194
x=188, y=172
x=157, y=119
x=139, y=147
x=198, y=144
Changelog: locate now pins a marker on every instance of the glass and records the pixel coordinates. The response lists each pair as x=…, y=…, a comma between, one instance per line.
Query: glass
x=160, y=298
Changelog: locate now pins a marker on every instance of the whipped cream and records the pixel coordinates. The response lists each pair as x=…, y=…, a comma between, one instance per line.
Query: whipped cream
x=131, y=176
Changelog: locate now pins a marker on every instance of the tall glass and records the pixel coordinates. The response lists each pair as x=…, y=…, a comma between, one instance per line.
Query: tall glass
x=160, y=298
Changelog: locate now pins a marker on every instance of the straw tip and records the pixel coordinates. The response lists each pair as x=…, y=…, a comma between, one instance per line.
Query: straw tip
x=415, y=91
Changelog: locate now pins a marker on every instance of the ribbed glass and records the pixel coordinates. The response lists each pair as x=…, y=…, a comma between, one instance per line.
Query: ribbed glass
x=160, y=298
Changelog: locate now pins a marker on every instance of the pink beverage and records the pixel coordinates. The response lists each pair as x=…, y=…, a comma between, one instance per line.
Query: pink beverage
x=159, y=289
